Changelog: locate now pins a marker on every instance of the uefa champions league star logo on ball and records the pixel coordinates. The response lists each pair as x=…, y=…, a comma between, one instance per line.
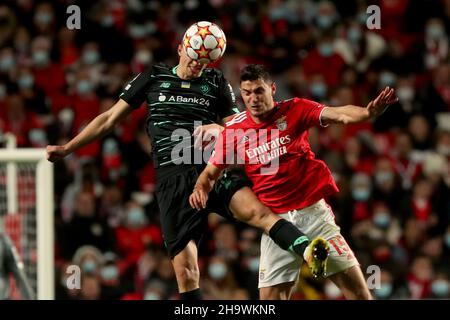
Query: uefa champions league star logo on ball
x=204, y=41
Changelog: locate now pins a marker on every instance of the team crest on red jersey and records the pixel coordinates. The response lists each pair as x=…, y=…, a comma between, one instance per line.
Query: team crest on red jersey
x=281, y=123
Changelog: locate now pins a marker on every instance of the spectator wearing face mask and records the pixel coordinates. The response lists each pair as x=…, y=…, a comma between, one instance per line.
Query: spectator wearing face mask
x=220, y=282
x=85, y=102
x=110, y=278
x=112, y=161
x=134, y=235
x=20, y=122
x=86, y=106
x=440, y=286
x=326, y=15
x=324, y=60
x=89, y=259
x=225, y=242
x=408, y=104
x=389, y=289
x=44, y=19
x=407, y=166
x=93, y=66
x=155, y=290
x=361, y=190
x=420, y=276
x=8, y=62
x=34, y=97
x=386, y=184
x=359, y=46
x=318, y=88
x=142, y=58
x=436, y=44
x=385, y=224
x=85, y=227
x=48, y=75
x=420, y=206
x=36, y=105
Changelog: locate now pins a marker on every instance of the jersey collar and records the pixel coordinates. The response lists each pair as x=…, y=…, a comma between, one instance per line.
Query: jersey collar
x=269, y=120
x=174, y=71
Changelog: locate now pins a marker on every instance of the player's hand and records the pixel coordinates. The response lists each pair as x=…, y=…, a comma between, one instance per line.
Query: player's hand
x=56, y=153
x=377, y=106
x=198, y=198
x=204, y=135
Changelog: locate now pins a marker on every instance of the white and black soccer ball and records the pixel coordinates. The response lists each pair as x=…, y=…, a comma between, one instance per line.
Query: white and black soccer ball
x=204, y=41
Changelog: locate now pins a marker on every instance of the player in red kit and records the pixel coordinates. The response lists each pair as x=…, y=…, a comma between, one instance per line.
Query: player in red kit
x=270, y=140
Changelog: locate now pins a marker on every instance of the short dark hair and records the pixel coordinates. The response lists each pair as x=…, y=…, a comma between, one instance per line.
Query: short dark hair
x=254, y=72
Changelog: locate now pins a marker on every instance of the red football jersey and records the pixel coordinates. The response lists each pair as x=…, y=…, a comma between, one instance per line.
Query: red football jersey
x=276, y=155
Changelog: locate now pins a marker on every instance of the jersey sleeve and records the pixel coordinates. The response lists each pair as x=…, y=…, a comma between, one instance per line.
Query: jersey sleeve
x=227, y=99
x=134, y=92
x=224, y=151
x=308, y=112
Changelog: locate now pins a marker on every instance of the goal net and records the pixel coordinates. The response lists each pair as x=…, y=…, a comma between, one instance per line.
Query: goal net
x=26, y=216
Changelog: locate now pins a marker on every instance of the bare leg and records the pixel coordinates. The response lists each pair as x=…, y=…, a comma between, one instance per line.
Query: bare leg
x=247, y=208
x=280, y=291
x=352, y=284
x=185, y=264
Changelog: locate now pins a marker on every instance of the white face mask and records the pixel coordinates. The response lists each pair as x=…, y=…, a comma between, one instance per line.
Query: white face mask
x=66, y=117
x=144, y=56
x=152, y=296
x=443, y=149
x=435, y=32
x=217, y=271
x=405, y=94
x=254, y=264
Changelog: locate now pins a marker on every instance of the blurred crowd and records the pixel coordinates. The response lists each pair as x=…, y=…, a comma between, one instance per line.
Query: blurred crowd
x=393, y=173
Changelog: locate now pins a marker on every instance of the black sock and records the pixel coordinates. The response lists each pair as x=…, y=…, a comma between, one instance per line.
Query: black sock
x=195, y=294
x=288, y=237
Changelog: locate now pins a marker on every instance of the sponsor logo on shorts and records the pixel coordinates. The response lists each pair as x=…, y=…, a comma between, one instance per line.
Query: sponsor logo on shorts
x=262, y=274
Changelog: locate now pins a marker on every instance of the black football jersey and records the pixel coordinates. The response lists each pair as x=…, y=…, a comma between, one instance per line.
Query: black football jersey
x=177, y=106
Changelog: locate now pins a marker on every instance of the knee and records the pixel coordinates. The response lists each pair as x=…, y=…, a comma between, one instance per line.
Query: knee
x=257, y=214
x=187, y=275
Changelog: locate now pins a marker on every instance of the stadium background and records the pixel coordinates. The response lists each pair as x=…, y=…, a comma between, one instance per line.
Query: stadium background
x=393, y=173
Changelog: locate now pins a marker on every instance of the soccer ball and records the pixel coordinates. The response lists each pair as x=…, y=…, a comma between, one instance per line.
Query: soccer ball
x=204, y=41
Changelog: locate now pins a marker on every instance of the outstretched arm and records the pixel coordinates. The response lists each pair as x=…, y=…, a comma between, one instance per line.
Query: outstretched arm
x=203, y=186
x=354, y=114
x=97, y=128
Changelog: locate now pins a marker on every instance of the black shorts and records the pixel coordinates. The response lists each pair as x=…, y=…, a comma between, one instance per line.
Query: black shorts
x=181, y=223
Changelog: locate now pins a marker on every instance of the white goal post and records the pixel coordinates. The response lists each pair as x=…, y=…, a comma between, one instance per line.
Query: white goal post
x=42, y=175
